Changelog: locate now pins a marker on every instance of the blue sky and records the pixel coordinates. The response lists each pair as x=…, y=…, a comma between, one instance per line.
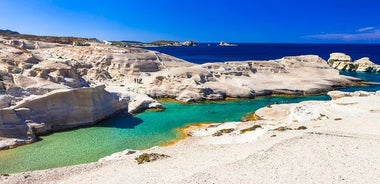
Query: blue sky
x=274, y=21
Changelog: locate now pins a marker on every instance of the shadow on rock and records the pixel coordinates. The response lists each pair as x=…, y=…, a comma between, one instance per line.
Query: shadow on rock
x=120, y=121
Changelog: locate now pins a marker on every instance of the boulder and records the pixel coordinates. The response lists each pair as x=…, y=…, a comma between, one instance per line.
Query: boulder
x=340, y=61
x=140, y=102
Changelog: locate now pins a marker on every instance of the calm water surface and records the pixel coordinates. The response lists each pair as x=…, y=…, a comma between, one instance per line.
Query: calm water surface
x=266, y=51
x=126, y=132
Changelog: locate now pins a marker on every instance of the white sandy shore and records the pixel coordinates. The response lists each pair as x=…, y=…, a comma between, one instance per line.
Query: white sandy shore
x=340, y=145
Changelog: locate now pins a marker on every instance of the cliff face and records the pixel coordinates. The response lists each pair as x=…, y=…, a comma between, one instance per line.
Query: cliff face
x=13, y=125
x=343, y=62
x=60, y=109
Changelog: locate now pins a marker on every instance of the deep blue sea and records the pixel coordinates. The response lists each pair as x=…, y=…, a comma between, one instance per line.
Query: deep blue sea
x=210, y=52
x=260, y=51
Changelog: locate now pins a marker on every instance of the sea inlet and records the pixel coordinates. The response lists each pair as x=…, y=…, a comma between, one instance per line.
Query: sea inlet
x=141, y=131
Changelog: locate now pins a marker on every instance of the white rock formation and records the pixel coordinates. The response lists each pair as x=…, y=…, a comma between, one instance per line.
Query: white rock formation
x=343, y=62
x=223, y=43
x=135, y=73
x=341, y=107
x=159, y=75
x=59, y=109
x=365, y=65
x=339, y=94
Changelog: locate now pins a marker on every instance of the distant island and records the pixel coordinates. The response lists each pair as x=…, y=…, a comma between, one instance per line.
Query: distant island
x=223, y=43
x=7, y=31
x=78, y=41
x=172, y=43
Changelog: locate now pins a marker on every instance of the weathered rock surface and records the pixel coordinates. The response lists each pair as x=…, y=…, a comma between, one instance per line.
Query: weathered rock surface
x=365, y=65
x=161, y=76
x=343, y=62
x=339, y=94
x=59, y=109
x=13, y=125
x=138, y=102
x=23, y=74
x=297, y=75
x=337, y=109
x=8, y=143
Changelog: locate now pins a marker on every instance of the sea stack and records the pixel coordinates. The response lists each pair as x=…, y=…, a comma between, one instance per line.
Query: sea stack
x=343, y=62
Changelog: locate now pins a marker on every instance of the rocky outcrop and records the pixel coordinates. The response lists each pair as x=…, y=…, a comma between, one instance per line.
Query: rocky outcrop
x=339, y=94
x=140, y=102
x=57, y=110
x=13, y=125
x=343, y=62
x=223, y=43
x=189, y=43
x=162, y=76
x=23, y=73
x=299, y=75
x=344, y=106
x=365, y=65
x=56, y=74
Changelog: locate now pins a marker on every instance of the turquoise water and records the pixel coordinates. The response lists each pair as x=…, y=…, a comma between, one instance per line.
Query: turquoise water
x=141, y=131
x=370, y=77
x=126, y=132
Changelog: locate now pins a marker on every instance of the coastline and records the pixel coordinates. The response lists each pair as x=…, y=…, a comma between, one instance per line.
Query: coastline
x=184, y=132
x=347, y=144
x=86, y=135
x=132, y=85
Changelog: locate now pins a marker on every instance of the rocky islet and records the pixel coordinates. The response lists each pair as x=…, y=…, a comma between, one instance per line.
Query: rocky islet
x=343, y=62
